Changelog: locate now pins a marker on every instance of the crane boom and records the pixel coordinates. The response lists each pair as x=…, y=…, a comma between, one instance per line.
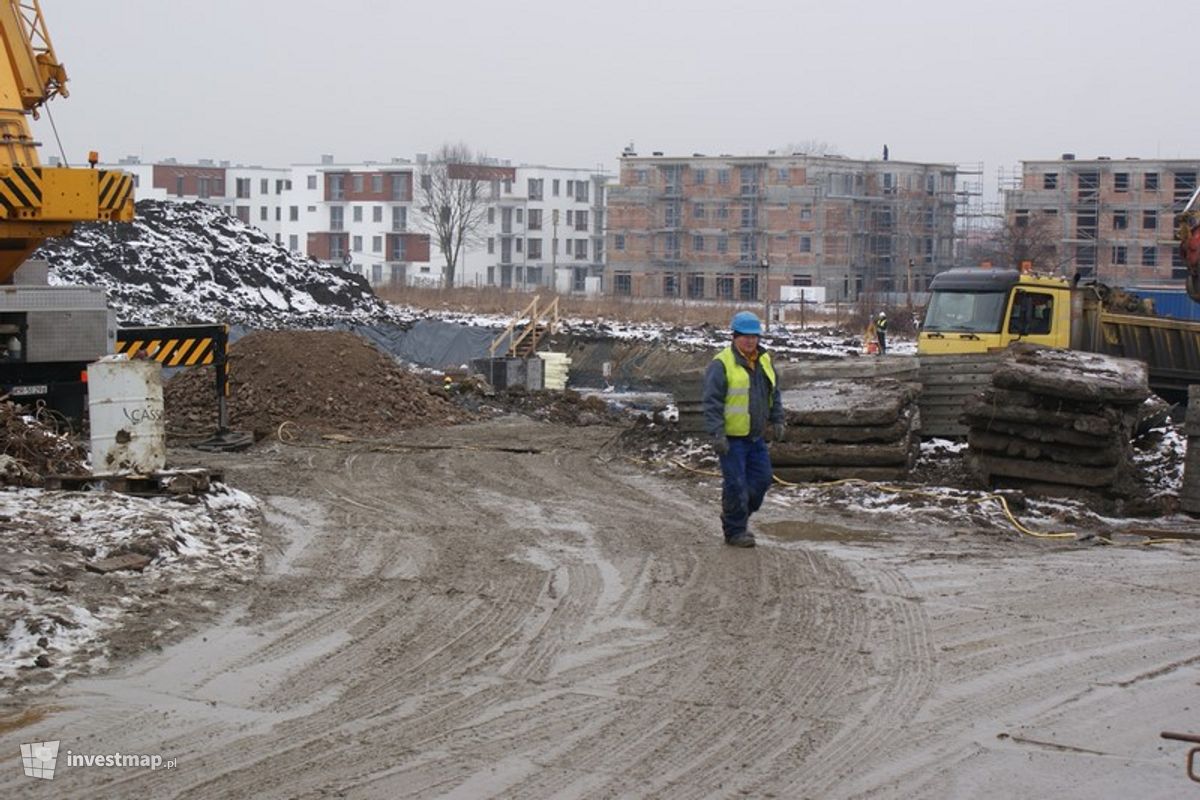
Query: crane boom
x=37, y=202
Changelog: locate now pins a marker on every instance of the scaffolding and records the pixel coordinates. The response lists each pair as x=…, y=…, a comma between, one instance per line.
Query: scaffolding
x=972, y=220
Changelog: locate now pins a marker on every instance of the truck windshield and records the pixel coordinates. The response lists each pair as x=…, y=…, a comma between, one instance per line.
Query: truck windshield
x=975, y=312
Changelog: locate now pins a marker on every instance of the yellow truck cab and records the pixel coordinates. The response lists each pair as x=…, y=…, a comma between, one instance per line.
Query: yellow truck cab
x=977, y=310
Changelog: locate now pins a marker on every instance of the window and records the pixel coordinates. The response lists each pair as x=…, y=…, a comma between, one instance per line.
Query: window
x=1150, y=256
x=203, y=189
x=243, y=188
x=535, y=219
x=698, y=244
x=554, y=187
x=357, y=212
x=278, y=214
x=399, y=249
x=747, y=287
x=377, y=184
x=749, y=179
x=581, y=220
x=783, y=174
x=312, y=181
x=581, y=191
x=508, y=187
x=520, y=244
x=722, y=211
x=1120, y=181
x=722, y=244
x=1120, y=220
x=805, y=244
x=695, y=286
x=293, y=242
x=749, y=217
x=535, y=188
x=279, y=186
x=337, y=187
x=359, y=181
x=723, y=177
x=402, y=185
x=491, y=215
x=725, y=287
x=581, y=249
x=670, y=285
x=377, y=213
x=1087, y=187
x=179, y=186
x=356, y=244
x=699, y=176
x=534, y=248
x=640, y=176
x=806, y=212
x=1150, y=181
x=1185, y=184
x=336, y=248
x=1149, y=220
x=1035, y=310
x=377, y=244
x=1021, y=218
x=399, y=218
x=520, y=216
x=749, y=248
x=671, y=215
x=1050, y=180
x=671, y=247
x=491, y=245
x=1119, y=255
x=622, y=283
x=337, y=218
x=570, y=188
x=697, y=211
x=262, y=213
x=619, y=241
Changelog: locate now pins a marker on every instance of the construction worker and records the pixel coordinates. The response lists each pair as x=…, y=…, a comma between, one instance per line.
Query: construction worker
x=881, y=332
x=741, y=399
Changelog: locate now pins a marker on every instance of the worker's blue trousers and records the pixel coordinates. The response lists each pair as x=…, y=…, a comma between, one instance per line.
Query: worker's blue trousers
x=746, y=470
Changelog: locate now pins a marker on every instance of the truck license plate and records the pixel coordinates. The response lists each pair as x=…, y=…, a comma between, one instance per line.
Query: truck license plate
x=29, y=391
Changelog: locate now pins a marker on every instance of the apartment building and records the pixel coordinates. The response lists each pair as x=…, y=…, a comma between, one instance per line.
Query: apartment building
x=1107, y=218
x=358, y=216
x=251, y=193
x=544, y=227
x=742, y=227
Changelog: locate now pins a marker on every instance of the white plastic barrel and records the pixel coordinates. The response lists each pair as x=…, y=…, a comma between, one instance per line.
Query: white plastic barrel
x=125, y=404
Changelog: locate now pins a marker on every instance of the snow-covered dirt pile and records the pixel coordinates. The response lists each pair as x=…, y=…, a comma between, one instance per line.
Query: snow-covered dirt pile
x=189, y=262
x=65, y=609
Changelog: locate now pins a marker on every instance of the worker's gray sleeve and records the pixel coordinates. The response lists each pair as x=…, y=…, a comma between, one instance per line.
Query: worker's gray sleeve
x=776, y=415
x=713, y=398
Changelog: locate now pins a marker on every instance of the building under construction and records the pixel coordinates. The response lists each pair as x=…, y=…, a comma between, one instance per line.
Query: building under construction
x=1112, y=219
x=743, y=227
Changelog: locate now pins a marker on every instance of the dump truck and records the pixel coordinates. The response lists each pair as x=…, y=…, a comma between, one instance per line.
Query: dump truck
x=48, y=334
x=975, y=313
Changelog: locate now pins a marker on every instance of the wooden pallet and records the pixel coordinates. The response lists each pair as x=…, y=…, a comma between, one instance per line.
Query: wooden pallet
x=163, y=483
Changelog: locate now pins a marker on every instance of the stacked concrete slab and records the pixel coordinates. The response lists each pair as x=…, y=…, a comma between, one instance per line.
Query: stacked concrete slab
x=1056, y=421
x=1189, y=496
x=849, y=428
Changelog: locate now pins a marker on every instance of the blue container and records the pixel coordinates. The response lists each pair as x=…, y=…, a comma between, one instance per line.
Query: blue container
x=1173, y=303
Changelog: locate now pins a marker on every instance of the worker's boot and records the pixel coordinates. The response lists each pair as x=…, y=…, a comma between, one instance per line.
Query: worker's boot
x=741, y=540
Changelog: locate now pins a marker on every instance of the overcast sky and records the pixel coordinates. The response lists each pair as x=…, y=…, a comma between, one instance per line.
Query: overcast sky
x=275, y=82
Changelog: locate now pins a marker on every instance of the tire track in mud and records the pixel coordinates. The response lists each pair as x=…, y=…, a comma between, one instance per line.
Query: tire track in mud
x=578, y=623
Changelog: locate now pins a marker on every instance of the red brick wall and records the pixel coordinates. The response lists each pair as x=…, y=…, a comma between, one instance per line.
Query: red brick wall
x=166, y=177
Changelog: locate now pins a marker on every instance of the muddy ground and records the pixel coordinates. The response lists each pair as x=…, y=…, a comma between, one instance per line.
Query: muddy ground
x=455, y=619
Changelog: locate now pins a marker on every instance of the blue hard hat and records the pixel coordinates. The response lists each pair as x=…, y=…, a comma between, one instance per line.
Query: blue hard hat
x=746, y=322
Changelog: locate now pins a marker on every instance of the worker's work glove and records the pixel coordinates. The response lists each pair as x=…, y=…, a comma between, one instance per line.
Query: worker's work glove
x=720, y=444
x=777, y=431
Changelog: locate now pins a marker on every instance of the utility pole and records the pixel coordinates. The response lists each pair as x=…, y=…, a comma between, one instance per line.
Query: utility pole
x=766, y=290
x=910, y=268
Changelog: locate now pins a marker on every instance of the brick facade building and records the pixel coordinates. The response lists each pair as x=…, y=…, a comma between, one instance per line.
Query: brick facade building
x=732, y=228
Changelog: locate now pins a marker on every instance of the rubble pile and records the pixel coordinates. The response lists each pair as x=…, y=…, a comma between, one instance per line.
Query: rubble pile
x=1054, y=421
x=318, y=381
x=847, y=428
x=180, y=263
x=31, y=449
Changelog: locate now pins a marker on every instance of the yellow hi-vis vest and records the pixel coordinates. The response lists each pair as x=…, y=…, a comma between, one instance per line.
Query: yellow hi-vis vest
x=737, y=395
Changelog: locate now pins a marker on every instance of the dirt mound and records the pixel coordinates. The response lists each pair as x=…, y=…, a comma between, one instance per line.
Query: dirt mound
x=31, y=449
x=320, y=381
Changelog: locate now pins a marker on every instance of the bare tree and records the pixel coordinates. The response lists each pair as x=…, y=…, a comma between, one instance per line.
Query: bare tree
x=454, y=197
x=1016, y=239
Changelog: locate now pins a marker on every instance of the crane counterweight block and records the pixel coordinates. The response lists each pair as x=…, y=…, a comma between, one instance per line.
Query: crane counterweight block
x=59, y=194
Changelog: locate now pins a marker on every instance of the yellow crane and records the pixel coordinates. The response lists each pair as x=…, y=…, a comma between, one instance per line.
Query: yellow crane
x=37, y=202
